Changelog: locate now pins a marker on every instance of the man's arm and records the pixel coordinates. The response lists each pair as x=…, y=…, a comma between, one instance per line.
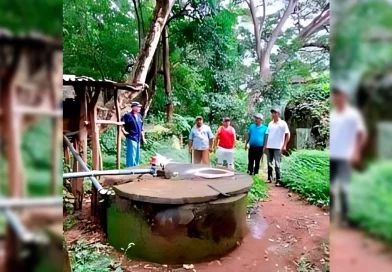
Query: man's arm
x=265, y=141
x=286, y=137
x=216, y=139
x=122, y=127
x=360, y=140
x=211, y=139
x=235, y=138
x=190, y=142
x=247, y=138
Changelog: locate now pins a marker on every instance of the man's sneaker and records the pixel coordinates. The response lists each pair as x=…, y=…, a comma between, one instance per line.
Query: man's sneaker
x=278, y=184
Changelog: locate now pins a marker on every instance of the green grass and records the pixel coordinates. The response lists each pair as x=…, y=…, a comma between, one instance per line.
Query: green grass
x=371, y=200
x=306, y=172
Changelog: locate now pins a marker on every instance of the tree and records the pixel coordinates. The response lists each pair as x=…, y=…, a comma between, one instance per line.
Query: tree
x=265, y=40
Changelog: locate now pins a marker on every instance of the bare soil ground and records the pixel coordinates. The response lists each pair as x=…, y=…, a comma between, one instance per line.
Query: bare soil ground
x=352, y=250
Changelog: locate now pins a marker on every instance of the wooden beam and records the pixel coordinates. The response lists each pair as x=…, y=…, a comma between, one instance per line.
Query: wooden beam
x=109, y=122
x=119, y=134
x=95, y=154
x=77, y=183
x=82, y=144
x=38, y=111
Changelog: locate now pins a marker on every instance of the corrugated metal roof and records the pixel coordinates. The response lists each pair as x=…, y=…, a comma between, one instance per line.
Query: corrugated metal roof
x=31, y=38
x=88, y=81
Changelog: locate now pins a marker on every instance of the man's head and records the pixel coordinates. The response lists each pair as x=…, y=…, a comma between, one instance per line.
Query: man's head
x=258, y=119
x=275, y=113
x=199, y=121
x=136, y=107
x=339, y=97
x=226, y=121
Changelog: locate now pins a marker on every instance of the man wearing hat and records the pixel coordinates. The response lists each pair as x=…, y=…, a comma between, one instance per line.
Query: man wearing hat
x=225, y=140
x=200, y=142
x=347, y=139
x=255, y=143
x=133, y=131
x=278, y=135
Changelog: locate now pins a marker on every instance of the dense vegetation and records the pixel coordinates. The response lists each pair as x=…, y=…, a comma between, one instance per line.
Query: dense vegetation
x=307, y=173
x=371, y=201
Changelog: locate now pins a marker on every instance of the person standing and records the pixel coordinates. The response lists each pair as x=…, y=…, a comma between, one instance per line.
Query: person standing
x=224, y=143
x=133, y=131
x=255, y=142
x=200, y=142
x=278, y=135
x=347, y=138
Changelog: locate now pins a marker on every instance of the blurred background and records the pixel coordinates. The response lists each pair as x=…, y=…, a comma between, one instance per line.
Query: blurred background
x=30, y=135
x=361, y=62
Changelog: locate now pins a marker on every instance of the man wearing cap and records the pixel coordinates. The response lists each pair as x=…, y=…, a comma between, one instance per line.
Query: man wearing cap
x=225, y=140
x=133, y=131
x=278, y=135
x=348, y=137
x=200, y=142
x=255, y=143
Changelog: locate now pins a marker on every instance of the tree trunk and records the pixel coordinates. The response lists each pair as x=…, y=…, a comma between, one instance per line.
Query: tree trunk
x=264, y=54
x=166, y=75
x=161, y=12
x=147, y=96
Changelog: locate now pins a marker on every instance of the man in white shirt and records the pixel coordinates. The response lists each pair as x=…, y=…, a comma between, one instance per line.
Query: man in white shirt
x=277, y=137
x=347, y=139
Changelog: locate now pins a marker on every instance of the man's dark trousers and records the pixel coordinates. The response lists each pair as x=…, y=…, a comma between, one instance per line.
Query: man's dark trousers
x=254, y=156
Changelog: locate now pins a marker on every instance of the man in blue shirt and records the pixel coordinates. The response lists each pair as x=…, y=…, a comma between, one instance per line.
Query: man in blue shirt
x=133, y=131
x=255, y=143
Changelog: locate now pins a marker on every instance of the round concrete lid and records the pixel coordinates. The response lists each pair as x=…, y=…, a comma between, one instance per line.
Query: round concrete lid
x=184, y=188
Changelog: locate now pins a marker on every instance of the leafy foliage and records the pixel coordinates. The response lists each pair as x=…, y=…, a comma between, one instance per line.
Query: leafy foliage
x=371, y=200
x=84, y=258
x=310, y=108
x=307, y=173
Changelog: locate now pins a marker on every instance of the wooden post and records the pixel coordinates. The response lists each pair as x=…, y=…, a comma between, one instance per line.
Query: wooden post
x=119, y=134
x=67, y=156
x=12, y=125
x=95, y=152
x=77, y=183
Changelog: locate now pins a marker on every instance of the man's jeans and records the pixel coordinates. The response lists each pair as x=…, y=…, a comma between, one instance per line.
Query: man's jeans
x=133, y=153
x=274, y=155
x=340, y=171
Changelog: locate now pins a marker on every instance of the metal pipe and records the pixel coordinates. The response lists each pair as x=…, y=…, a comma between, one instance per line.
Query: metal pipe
x=13, y=203
x=18, y=227
x=83, y=165
x=108, y=173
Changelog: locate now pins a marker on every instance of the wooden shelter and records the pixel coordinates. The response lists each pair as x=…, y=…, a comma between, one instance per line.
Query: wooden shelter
x=82, y=124
x=30, y=68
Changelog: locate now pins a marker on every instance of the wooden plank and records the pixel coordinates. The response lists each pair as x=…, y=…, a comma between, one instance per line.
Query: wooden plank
x=119, y=133
x=77, y=183
x=109, y=122
x=56, y=138
x=67, y=156
x=26, y=110
x=95, y=152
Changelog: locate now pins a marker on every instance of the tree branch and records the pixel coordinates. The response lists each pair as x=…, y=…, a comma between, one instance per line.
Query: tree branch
x=317, y=44
x=317, y=24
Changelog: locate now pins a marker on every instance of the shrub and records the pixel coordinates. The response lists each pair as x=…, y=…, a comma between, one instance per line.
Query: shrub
x=371, y=200
x=307, y=173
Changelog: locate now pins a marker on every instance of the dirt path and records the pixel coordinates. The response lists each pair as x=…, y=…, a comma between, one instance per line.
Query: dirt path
x=285, y=228
x=352, y=250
